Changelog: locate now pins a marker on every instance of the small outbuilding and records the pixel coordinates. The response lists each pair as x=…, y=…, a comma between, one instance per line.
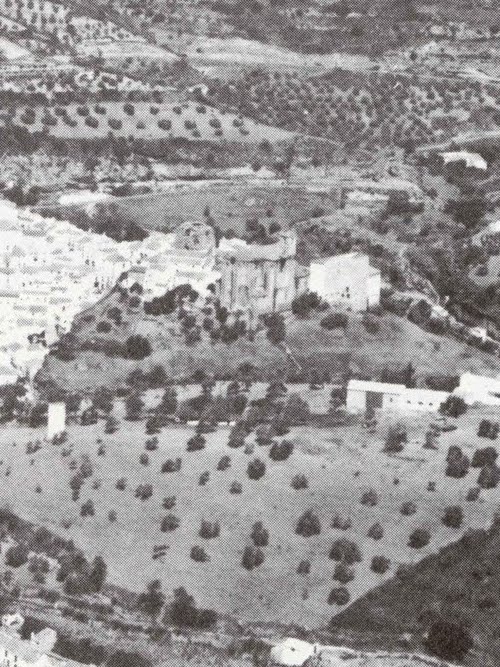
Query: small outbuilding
x=292, y=652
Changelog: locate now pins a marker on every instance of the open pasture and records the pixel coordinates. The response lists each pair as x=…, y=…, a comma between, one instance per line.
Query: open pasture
x=340, y=464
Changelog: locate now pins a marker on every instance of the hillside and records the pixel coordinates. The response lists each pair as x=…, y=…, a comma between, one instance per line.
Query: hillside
x=460, y=583
x=94, y=357
x=144, y=121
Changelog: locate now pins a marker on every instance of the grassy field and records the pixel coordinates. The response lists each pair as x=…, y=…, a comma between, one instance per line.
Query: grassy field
x=141, y=123
x=340, y=464
x=231, y=205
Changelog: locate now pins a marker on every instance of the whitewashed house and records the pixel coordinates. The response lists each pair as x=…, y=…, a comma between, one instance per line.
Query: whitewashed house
x=347, y=280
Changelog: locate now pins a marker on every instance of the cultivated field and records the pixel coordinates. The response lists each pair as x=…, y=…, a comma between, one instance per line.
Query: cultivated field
x=340, y=464
x=144, y=121
x=359, y=109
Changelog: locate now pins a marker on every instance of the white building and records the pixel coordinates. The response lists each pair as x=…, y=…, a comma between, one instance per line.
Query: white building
x=365, y=395
x=33, y=652
x=346, y=280
x=471, y=159
x=292, y=652
x=56, y=419
x=478, y=389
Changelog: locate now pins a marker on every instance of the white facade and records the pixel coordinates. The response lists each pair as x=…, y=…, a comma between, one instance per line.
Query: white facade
x=362, y=395
x=292, y=652
x=471, y=159
x=478, y=389
x=347, y=280
x=56, y=419
x=35, y=652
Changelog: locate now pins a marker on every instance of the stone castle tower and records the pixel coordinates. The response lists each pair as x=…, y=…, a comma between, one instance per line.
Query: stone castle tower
x=258, y=279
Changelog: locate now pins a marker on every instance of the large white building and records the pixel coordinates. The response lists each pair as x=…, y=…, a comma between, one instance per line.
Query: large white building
x=347, y=280
x=368, y=395
x=479, y=389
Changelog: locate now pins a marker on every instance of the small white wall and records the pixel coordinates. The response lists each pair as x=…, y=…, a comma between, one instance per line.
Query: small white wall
x=373, y=288
x=56, y=419
x=421, y=400
x=356, y=401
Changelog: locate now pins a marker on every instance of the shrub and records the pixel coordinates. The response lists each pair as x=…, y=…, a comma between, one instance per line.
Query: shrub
x=408, y=508
x=91, y=121
x=151, y=444
x=489, y=477
x=209, y=530
x=335, y=321
x=396, y=439
x=236, y=488
x=484, y=457
x=281, y=451
x=341, y=523
x=458, y=466
x=473, y=494
x=305, y=303
x=144, y=459
x=256, y=469
x=449, y=641
x=121, y=484
x=199, y=555
x=345, y=551
x=144, y=491
x=369, y=498
x=111, y=425
x=204, y=478
x=308, y=524
x=115, y=123
x=453, y=516
x=453, y=406
x=376, y=532
x=339, y=596
x=165, y=124
x=17, y=555
x=196, y=443
x=484, y=429
x=103, y=327
x=137, y=347
x=171, y=465
x=419, y=538
x=224, y=463
x=380, y=564
x=169, y=502
x=343, y=574
x=259, y=535
x=252, y=557
x=304, y=567
x=170, y=523
x=129, y=109
x=87, y=509
x=371, y=323
x=299, y=482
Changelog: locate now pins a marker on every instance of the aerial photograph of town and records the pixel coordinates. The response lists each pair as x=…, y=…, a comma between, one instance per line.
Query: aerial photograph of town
x=250, y=333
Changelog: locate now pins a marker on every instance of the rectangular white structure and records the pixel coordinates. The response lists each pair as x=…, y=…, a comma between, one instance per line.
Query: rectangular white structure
x=478, y=389
x=56, y=419
x=347, y=280
x=363, y=395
